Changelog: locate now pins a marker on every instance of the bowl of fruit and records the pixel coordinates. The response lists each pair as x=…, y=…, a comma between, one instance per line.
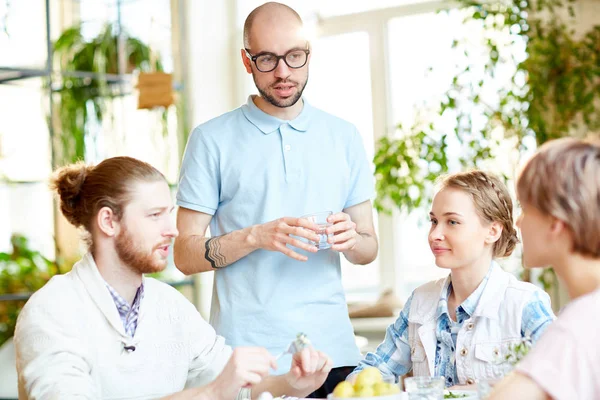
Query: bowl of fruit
x=368, y=385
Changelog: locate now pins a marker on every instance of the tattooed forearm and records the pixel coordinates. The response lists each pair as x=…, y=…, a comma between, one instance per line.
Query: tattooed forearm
x=213, y=253
x=365, y=235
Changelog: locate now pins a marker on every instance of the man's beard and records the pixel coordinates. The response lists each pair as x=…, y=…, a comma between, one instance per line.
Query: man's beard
x=290, y=101
x=138, y=259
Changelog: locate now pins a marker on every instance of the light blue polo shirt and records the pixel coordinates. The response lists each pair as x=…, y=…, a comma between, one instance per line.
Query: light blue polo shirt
x=246, y=167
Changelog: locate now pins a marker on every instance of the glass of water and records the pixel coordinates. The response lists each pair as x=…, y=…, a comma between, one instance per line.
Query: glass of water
x=320, y=219
x=485, y=386
x=425, y=387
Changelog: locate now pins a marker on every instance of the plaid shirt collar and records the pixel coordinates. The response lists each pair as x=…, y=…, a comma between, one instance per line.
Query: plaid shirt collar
x=470, y=304
x=129, y=314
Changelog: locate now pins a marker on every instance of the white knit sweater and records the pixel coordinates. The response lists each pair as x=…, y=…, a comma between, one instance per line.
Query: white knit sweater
x=69, y=341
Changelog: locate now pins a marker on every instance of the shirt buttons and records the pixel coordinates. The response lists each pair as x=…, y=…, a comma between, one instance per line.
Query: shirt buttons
x=470, y=381
x=412, y=351
x=464, y=351
x=470, y=326
x=287, y=147
x=496, y=352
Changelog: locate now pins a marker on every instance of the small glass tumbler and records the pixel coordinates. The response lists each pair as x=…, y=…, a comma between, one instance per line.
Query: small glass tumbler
x=320, y=219
x=425, y=387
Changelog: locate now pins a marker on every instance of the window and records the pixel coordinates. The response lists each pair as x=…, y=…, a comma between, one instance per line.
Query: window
x=404, y=42
x=25, y=203
x=23, y=26
x=145, y=134
x=25, y=154
x=324, y=9
x=422, y=64
x=340, y=84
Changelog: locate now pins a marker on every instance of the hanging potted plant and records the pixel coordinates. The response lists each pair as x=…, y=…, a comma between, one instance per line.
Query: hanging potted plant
x=90, y=79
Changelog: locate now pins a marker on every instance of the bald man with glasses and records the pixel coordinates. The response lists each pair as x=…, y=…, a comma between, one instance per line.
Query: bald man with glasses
x=249, y=175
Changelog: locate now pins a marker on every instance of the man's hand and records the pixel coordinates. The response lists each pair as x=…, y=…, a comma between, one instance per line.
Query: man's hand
x=275, y=236
x=247, y=366
x=344, y=232
x=309, y=370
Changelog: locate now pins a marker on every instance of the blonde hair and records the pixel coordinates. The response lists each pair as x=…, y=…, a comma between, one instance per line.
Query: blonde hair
x=492, y=202
x=563, y=180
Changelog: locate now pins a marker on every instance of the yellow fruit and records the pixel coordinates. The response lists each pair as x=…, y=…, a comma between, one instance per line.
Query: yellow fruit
x=343, y=390
x=368, y=377
x=380, y=389
x=364, y=391
x=392, y=388
x=385, y=389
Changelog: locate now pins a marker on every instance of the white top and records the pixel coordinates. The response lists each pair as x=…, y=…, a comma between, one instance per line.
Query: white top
x=565, y=360
x=484, y=340
x=70, y=342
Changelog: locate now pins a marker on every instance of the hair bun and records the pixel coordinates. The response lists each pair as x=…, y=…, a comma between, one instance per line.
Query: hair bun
x=68, y=182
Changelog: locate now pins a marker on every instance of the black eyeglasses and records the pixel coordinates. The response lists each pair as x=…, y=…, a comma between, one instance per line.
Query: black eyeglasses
x=267, y=62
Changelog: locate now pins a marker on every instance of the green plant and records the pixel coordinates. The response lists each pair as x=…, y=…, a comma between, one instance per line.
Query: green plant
x=518, y=351
x=451, y=395
x=22, y=271
x=554, y=92
x=404, y=166
x=83, y=98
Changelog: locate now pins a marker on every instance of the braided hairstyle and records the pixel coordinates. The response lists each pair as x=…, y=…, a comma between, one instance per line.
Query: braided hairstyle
x=492, y=202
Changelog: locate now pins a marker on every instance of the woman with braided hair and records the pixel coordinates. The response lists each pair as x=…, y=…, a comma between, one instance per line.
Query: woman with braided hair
x=463, y=327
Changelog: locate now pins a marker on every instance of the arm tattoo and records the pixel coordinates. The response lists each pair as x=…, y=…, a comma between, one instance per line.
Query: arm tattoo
x=213, y=253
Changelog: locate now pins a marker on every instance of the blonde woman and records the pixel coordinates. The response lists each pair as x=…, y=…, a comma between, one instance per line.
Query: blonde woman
x=461, y=327
x=559, y=190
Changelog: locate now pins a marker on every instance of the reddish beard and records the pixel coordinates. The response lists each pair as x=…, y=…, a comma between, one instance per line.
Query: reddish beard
x=133, y=255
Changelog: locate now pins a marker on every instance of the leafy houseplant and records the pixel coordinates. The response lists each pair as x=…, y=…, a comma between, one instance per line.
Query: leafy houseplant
x=404, y=166
x=518, y=351
x=22, y=271
x=554, y=92
x=88, y=95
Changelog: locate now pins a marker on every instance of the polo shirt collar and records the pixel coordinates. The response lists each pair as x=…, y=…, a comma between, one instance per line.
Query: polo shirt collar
x=268, y=124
